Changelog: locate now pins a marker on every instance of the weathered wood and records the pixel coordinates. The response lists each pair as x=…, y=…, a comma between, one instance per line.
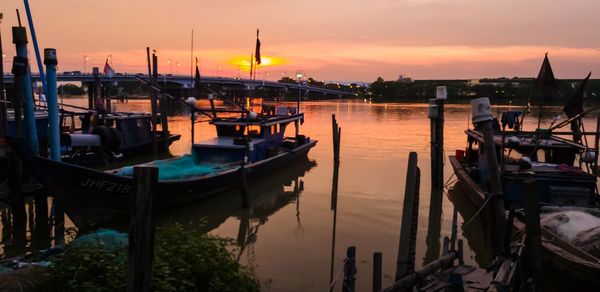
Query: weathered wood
x=141, y=229
x=244, y=185
x=439, y=134
x=334, y=131
x=59, y=222
x=596, y=145
x=350, y=270
x=377, y=271
x=432, y=147
x=405, y=263
x=495, y=186
x=407, y=282
x=3, y=113
x=334, y=197
x=42, y=230
x=533, y=239
x=153, y=103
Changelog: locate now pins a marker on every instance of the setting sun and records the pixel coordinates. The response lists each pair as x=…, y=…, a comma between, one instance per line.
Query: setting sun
x=243, y=62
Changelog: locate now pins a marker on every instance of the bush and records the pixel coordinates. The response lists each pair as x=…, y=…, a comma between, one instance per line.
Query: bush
x=183, y=261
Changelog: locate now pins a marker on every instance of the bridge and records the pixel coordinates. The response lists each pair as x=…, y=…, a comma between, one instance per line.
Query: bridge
x=188, y=82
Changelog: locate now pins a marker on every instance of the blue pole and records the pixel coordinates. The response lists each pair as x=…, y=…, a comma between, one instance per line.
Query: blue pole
x=35, y=45
x=20, y=41
x=52, y=99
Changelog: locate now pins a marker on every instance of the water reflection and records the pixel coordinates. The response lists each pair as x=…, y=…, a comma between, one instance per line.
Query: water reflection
x=27, y=225
x=266, y=197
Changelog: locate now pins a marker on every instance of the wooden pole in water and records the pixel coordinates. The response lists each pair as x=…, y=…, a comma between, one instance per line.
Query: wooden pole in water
x=481, y=115
x=596, y=145
x=42, y=230
x=377, y=271
x=439, y=149
x=533, y=239
x=436, y=115
x=59, y=223
x=141, y=229
x=350, y=270
x=153, y=103
x=432, y=113
x=334, y=191
x=405, y=264
x=3, y=113
x=244, y=184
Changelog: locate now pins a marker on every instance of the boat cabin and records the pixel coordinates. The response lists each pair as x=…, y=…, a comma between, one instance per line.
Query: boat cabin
x=258, y=138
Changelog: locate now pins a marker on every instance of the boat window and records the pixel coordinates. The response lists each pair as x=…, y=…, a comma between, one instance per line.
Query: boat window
x=228, y=131
x=255, y=131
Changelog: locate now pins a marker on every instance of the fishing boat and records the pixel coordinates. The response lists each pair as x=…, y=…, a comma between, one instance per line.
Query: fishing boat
x=89, y=138
x=254, y=143
x=564, y=171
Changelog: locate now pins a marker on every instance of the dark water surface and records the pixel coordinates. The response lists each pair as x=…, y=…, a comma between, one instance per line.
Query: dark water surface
x=286, y=235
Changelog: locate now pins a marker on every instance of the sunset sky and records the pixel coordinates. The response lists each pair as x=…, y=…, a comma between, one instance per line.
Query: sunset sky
x=329, y=40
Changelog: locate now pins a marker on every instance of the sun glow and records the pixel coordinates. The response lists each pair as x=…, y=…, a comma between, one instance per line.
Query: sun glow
x=243, y=62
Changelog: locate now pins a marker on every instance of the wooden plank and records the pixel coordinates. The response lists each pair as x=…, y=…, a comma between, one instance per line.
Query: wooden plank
x=377, y=271
x=350, y=270
x=141, y=229
x=533, y=239
x=405, y=263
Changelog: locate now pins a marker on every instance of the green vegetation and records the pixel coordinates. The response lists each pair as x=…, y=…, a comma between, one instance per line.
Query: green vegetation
x=71, y=89
x=184, y=260
x=501, y=90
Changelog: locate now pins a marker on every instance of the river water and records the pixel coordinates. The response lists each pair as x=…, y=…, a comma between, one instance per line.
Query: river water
x=286, y=235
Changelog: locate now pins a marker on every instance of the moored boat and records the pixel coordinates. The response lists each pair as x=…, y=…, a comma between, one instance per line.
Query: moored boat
x=256, y=141
x=563, y=170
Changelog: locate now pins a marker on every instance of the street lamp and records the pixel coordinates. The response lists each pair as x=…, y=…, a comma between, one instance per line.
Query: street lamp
x=85, y=59
x=170, y=65
x=299, y=75
x=177, y=68
x=265, y=77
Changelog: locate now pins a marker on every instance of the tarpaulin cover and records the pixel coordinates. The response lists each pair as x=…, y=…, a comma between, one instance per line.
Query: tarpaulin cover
x=179, y=168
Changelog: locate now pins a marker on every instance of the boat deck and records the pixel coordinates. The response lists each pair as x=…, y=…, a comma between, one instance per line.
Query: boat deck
x=225, y=142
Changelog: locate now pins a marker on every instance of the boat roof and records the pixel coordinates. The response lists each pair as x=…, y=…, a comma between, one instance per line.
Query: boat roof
x=529, y=141
x=262, y=120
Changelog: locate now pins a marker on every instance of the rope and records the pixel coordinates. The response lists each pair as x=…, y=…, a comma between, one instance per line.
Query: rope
x=465, y=225
x=448, y=180
x=334, y=281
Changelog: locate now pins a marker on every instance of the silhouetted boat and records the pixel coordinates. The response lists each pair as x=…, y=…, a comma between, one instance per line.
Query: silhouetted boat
x=561, y=180
x=91, y=197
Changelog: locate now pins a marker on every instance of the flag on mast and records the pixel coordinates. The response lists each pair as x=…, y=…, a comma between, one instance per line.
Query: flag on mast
x=574, y=105
x=251, y=65
x=257, y=50
x=108, y=70
x=197, y=76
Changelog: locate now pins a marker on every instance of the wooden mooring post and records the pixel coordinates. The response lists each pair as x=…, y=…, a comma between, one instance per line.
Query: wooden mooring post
x=153, y=103
x=405, y=263
x=377, y=263
x=244, y=184
x=533, y=237
x=141, y=229
x=3, y=112
x=596, y=145
x=350, y=270
x=336, y=132
x=436, y=115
